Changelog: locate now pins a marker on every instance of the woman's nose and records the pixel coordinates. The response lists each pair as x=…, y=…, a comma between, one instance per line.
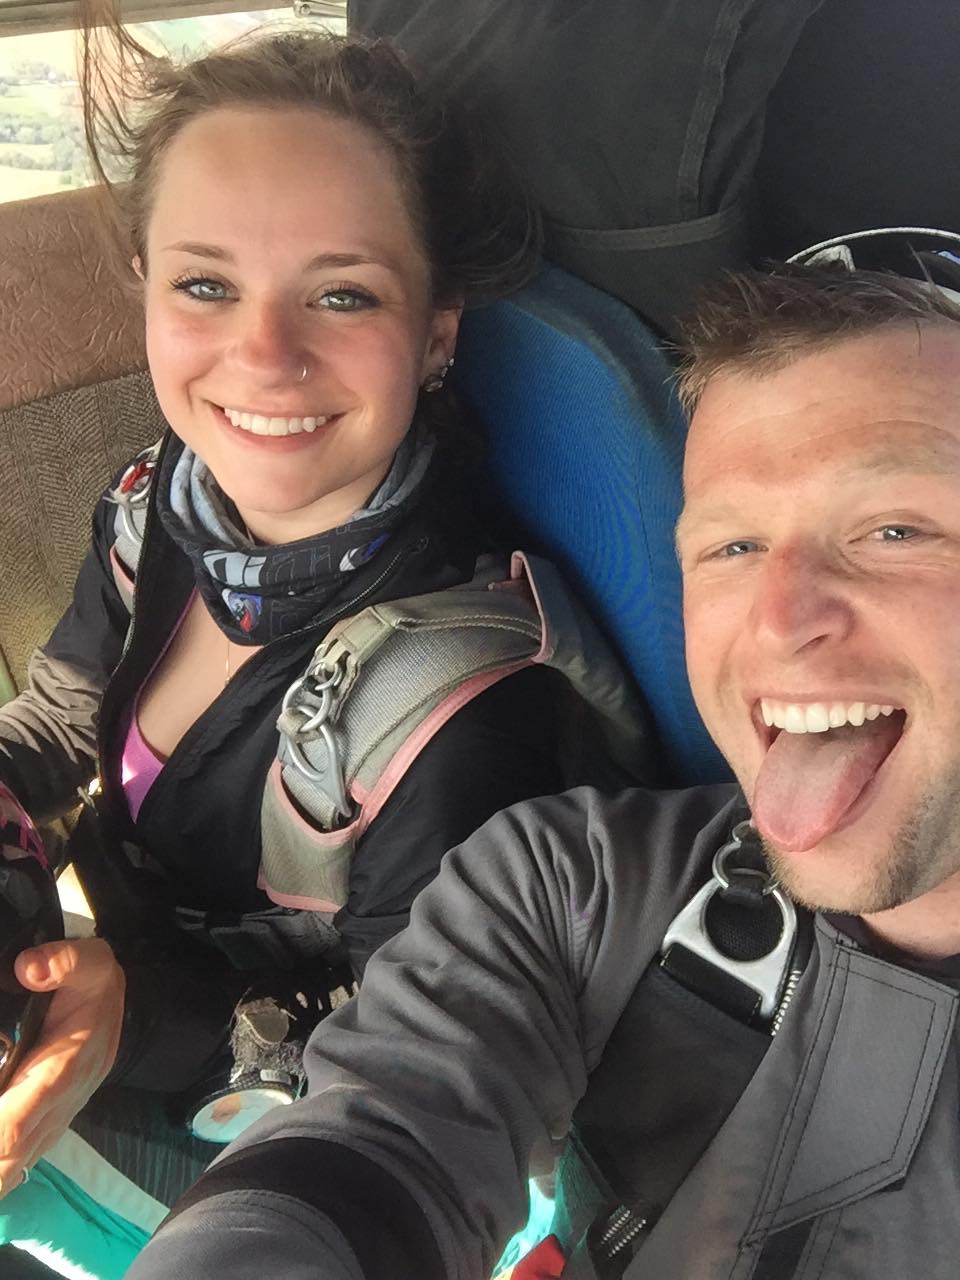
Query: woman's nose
x=267, y=344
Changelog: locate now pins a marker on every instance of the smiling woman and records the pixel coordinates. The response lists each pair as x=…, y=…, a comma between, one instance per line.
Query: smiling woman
x=252, y=332
x=305, y=225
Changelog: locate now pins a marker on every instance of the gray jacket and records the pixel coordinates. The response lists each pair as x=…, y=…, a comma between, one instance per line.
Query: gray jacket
x=458, y=1069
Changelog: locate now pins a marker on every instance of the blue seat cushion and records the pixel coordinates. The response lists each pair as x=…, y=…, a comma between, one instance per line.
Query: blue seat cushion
x=585, y=437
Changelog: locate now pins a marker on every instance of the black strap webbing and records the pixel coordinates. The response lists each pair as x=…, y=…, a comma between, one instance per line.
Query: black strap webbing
x=672, y=1072
x=782, y=1251
x=670, y=1075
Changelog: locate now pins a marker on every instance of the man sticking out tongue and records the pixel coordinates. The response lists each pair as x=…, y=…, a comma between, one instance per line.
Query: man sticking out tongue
x=813, y=775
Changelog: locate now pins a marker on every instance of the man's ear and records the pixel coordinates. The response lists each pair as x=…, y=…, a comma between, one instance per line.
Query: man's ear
x=138, y=267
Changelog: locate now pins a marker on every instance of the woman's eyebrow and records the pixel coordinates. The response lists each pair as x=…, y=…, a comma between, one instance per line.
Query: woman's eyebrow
x=199, y=250
x=321, y=262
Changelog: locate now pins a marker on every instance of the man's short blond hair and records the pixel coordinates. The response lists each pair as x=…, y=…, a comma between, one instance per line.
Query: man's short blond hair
x=757, y=322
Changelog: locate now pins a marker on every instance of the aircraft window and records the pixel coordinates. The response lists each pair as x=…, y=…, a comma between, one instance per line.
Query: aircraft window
x=41, y=134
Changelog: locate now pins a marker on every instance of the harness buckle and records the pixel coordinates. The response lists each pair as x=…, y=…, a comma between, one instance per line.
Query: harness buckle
x=133, y=490
x=736, y=880
x=308, y=713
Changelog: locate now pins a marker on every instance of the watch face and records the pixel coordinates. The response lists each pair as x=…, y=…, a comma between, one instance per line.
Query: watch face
x=225, y=1116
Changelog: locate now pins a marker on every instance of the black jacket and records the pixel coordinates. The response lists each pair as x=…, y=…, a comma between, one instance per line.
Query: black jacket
x=502, y=1027
x=200, y=821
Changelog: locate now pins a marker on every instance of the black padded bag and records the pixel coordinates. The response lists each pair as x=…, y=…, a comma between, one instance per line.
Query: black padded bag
x=862, y=126
x=637, y=123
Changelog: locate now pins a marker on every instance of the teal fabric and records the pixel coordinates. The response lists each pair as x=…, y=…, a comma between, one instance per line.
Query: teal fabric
x=539, y=1223
x=54, y=1220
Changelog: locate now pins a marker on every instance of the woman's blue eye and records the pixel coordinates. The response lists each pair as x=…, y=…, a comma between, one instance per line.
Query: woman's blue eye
x=201, y=288
x=741, y=548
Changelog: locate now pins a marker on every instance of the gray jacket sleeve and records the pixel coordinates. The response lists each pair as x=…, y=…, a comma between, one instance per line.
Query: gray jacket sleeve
x=455, y=1073
x=48, y=734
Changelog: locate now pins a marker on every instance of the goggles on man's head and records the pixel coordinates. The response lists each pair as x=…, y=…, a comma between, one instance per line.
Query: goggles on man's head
x=918, y=253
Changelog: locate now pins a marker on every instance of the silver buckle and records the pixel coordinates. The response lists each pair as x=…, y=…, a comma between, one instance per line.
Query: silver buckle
x=316, y=702
x=766, y=976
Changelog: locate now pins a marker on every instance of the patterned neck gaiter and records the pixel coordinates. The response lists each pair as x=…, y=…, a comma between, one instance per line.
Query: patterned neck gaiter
x=256, y=594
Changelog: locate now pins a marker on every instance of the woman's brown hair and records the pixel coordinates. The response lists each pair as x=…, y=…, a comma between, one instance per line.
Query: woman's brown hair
x=480, y=232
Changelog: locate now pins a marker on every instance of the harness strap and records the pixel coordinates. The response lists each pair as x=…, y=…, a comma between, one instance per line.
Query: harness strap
x=685, y=1012
x=131, y=497
x=338, y=733
x=272, y=939
x=134, y=899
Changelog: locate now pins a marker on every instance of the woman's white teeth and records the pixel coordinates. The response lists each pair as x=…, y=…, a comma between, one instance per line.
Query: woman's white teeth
x=818, y=717
x=262, y=426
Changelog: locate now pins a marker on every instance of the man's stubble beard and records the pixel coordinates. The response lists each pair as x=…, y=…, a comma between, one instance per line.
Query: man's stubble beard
x=923, y=854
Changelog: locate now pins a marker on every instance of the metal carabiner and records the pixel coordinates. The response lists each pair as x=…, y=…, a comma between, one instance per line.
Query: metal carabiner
x=767, y=976
x=740, y=833
x=330, y=777
x=315, y=723
x=308, y=690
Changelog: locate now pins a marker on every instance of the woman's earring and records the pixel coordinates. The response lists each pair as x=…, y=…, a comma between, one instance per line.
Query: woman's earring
x=434, y=381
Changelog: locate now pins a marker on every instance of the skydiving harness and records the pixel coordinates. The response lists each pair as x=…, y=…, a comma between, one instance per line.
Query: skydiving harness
x=377, y=689
x=705, y=1012
x=383, y=682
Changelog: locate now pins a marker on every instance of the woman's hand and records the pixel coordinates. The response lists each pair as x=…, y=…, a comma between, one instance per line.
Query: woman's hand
x=76, y=1049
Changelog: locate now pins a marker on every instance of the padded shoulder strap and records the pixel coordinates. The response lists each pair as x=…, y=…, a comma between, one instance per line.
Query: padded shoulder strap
x=383, y=683
x=607, y=695
x=386, y=674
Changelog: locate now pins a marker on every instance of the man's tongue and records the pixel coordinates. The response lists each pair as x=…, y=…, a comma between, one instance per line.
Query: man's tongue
x=809, y=781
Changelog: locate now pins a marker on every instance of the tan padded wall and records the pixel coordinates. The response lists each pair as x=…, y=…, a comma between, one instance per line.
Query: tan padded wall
x=56, y=458
x=65, y=321
x=70, y=414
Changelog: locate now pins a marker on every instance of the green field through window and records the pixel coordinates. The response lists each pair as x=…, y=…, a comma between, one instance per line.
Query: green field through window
x=41, y=136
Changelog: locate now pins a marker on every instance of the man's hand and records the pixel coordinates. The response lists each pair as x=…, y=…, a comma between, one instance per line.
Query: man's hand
x=76, y=1049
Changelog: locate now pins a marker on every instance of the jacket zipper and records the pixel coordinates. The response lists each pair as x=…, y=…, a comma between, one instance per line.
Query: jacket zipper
x=789, y=988
x=614, y=1236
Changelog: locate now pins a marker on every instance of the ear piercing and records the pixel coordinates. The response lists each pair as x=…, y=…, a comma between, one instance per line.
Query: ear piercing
x=434, y=381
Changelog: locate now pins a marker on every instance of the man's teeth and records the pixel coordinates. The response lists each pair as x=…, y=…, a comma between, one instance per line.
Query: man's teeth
x=818, y=717
x=261, y=426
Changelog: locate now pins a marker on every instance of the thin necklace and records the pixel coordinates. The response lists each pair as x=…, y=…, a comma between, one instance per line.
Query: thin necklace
x=226, y=665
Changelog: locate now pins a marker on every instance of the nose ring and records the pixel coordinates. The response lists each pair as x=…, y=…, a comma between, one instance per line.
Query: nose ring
x=303, y=374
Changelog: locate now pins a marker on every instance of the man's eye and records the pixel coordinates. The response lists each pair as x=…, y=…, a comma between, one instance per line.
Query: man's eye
x=201, y=288
x=346, y=300
x=896, y=533
x=742, y=548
